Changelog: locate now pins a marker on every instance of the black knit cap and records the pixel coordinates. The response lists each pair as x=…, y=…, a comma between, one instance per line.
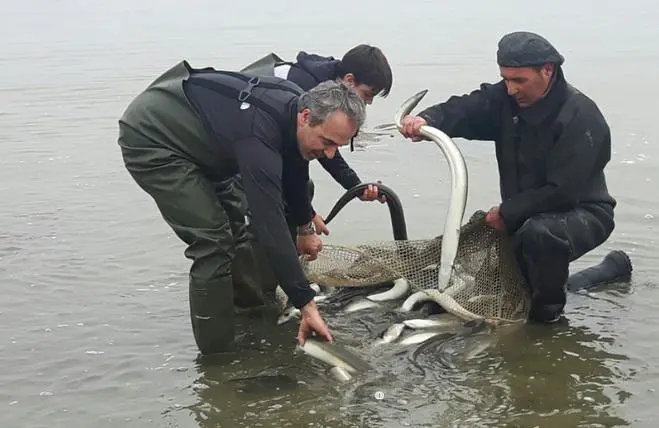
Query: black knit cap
x=525, y=49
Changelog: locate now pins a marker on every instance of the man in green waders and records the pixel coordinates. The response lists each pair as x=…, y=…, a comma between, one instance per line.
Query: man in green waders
x=194, y=138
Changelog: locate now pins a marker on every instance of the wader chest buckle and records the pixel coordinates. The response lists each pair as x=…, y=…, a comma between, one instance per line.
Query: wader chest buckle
x=245, y=93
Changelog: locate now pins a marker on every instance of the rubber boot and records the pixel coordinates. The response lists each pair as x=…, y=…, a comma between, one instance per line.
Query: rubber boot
x=247, y=292
x=211, y=313
x=254, y=282
x=265, y=275
x=616, y=266
x=248, y=283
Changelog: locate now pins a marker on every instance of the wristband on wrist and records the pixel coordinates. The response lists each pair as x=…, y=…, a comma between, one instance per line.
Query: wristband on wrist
x=306, y=229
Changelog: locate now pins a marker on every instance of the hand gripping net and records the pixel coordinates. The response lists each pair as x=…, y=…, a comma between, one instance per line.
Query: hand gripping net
x=475, y=276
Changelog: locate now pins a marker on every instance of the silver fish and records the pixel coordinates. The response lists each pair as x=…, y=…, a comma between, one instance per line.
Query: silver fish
x=340, y=374
x=415, y=338
x=386, y=126
x=483, y=298
x=334, y=355
x=479, y=345
x=390, y=334
x=413, y=300
x=288, y=311
x=359, y=305
x=401, y=286
x=288, y=314
x=442, y=320
x=457, y=201
x=372, y=136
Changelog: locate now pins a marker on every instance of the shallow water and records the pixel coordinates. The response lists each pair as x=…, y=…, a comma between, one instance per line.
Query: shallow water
x=94, y=321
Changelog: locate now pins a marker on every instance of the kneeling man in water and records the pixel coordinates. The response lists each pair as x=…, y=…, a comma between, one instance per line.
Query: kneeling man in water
x=552, y=145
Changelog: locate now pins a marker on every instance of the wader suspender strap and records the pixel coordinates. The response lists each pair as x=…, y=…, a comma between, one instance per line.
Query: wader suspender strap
x=252, y=82
x=244, y=95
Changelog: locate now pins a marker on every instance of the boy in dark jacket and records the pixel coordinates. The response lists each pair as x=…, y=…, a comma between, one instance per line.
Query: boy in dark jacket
x=364, y=68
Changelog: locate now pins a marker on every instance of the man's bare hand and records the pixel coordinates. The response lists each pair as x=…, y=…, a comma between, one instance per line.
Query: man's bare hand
x=411, y=127
x=494, y=219
x=319, y=225
x=371, y=193
x=312, y=322
x=310, y=245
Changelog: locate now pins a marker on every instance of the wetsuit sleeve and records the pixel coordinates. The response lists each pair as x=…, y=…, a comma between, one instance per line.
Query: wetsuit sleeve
x=582, y=150
x=260, y=167
x=340, y=171
x=471, y=116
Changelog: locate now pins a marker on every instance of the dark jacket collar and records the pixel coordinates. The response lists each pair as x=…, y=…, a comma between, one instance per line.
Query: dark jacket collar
x=290, y=144
x=549, y=104
x=320, y=67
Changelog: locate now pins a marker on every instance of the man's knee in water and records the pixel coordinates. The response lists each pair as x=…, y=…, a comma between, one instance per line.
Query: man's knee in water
x=543, y=257
x=536, y=237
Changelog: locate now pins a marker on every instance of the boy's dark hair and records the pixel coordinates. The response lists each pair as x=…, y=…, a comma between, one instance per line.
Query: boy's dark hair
x=369, y=66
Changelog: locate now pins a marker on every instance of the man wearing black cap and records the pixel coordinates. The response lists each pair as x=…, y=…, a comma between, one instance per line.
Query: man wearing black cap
x=552, y=144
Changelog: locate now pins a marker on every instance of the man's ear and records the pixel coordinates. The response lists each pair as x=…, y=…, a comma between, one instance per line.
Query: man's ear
x=303, y=117
x=349, y=79
x=548, y=70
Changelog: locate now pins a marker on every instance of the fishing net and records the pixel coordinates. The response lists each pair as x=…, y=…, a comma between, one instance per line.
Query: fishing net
x=485, y=283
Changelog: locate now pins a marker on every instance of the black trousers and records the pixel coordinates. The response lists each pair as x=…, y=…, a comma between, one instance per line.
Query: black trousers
x=546, y=244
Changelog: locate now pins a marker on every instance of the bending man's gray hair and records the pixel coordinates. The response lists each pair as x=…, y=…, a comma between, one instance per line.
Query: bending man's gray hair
x=329, y=97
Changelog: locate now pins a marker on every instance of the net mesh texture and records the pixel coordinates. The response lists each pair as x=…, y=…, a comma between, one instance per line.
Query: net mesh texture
x=486, y=281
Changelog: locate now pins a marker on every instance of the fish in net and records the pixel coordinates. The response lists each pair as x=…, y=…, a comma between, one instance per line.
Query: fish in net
x=471, y=271
x=486, y=281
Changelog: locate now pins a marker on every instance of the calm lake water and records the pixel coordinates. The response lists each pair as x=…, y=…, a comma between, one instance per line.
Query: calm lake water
x=94, y=324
